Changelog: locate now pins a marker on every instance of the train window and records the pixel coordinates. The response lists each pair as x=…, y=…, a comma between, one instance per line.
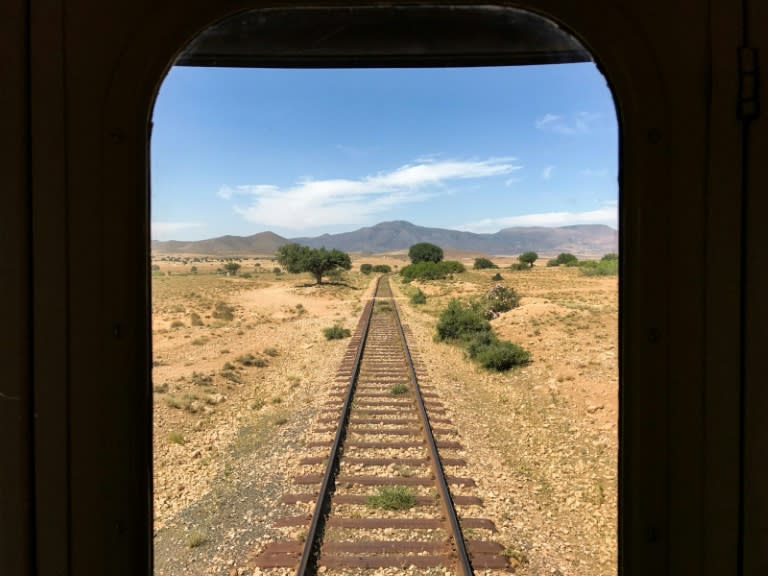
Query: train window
x=336, y=193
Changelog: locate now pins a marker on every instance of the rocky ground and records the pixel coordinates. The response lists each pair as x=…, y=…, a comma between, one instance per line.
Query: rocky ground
x=241, y=368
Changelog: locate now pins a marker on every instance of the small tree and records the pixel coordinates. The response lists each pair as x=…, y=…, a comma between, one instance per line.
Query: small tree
x=483, y=264
x=382, y=268
x=528, y=258
x=425, y=252
x=316, y=261
x=232, y=268
x=366, y=268
x=193, y=269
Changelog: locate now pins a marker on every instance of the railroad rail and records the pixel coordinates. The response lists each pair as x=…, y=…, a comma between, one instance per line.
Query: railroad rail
x=392, y=427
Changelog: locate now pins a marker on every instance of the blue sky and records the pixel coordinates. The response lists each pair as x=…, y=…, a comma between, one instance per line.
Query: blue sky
x=303, y=152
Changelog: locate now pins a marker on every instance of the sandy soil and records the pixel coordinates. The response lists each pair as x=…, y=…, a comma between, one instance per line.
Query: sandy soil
x=235, y=398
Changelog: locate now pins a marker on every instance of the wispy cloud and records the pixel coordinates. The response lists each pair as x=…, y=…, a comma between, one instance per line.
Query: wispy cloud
x=164, y=230
x=568, y=125
x=314, y=203
x=606, y=214
x=546, y=174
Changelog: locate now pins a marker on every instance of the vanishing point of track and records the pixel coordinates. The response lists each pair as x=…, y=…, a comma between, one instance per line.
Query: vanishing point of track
x=383, y=424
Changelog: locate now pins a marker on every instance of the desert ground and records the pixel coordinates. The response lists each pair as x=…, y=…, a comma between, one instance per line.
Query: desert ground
x=241, y=368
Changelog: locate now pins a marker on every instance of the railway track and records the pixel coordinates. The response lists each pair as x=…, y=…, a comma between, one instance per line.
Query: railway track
x=378, y=491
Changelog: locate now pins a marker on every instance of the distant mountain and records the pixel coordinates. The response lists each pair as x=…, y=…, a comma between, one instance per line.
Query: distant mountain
x=582, y=240
x=263, y=243
x=398, y=235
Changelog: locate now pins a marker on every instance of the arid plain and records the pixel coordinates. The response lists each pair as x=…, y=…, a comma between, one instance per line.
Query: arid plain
x=241, y=368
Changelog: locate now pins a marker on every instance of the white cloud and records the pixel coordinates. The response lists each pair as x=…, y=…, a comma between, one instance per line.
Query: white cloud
x=313, y=203
x=576, y=124
x=163, y=230
x=606, y=214
x=546, y=174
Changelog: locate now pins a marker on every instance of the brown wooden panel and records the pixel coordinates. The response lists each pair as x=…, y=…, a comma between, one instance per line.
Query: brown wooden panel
x=16, y=488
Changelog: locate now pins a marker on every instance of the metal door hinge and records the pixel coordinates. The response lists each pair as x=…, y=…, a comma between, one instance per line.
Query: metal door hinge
x=749, y=102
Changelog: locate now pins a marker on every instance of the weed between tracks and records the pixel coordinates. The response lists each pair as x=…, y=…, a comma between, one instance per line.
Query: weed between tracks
x=392, y=498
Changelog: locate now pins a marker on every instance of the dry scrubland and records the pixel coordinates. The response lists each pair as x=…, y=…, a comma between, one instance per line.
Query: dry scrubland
x=235, y=398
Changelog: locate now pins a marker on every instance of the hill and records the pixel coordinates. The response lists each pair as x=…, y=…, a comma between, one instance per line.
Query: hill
x=591, y=239
x=263, y=243
x=582, y=240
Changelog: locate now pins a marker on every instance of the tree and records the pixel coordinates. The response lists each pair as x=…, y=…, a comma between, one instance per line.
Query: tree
x=366, y=268
x=565, y=259
x=316, y=261
x=425, y=252
x=232, y=268
x=483, y=263
x=528, y=258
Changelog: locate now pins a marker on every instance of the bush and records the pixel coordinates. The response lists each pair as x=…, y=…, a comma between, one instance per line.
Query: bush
x=366, y=268
x=223, y=311
x=519, y=266
x=418, y=297
x=483, y=264
x=425, y=252
x=431, y=270
x=608, y=257
x=564, y=259
x=499, y=299
x=496, y=277
x=601, y=268
x=382, y=268
x=501, y=355
x=277, y=270
x=461, y=322
x=177, y=324
x=251, y=360
x=336, y=332
x=195, y=320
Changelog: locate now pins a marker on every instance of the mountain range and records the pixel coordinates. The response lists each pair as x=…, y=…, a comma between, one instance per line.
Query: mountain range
x=582, y=240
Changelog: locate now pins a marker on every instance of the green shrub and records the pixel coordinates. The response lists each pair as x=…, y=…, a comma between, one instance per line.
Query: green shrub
x=398, y=389
x=336, y=332
x=601, y=268
x=564, y=259
x=483, y=264
x=177, y=324
x=499, y=299
x=431, y=270
x=418, y=297
x=519, y=266
x=461, y=322
x=611, y=256
x=500, y=355
x=392, y=498
x=382, y=268
x=497, y=277
x=366, y=268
